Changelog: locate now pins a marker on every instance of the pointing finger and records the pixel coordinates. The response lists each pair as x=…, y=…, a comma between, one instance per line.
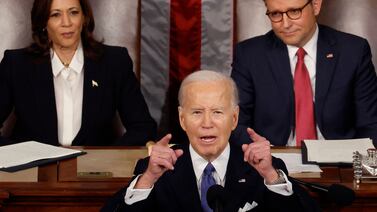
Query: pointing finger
x=165, y=140
x=255, y=136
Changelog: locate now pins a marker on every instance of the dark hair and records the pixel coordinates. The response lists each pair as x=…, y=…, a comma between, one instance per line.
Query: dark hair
x=40, y=14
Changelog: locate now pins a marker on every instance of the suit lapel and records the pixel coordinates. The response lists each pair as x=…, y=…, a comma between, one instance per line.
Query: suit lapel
x=184, y=179
x=240, y=184
x=43, y=83
x=326, y=61
x=91, y=98
x=281, y=68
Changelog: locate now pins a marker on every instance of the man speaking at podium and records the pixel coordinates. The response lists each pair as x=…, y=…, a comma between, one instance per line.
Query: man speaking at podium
x=178, y=179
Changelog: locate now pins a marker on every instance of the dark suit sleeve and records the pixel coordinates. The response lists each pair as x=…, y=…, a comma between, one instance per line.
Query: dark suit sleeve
x=365, y=94
x=245, y=85
x=6, y=101
x=133, y=110
x=116, y=202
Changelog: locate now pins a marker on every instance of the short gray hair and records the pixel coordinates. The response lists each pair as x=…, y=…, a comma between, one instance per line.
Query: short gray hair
x=208, y=76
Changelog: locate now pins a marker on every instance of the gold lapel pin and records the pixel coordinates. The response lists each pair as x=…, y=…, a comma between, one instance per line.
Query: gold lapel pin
x=94, y=83
x=330, y=55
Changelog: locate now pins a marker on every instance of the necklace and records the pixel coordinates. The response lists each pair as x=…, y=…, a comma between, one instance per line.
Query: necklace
x=65, y=64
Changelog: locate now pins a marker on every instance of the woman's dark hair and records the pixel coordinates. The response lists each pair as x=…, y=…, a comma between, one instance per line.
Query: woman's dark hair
x=40, y=14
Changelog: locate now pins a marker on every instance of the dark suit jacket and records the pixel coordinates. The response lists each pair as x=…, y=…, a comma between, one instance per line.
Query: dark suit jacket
x=345, y=90
x=27, y=87
x=178, y=191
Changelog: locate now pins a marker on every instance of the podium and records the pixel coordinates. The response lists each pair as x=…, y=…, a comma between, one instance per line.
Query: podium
x=86, y=182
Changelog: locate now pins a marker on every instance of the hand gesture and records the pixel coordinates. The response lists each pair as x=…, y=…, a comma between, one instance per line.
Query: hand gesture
x=258, y=155
x=162, y=158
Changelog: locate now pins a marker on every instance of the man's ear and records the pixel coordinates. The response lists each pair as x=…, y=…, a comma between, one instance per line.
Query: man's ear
x=181, y=118
x=236, y=112
x=317, y=6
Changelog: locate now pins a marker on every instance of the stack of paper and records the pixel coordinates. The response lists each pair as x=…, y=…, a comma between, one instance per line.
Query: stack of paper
x=295, y=167
x=334, y=151
x=31, y=153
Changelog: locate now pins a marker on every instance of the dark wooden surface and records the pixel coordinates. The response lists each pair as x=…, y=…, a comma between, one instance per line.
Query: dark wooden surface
x=366, y=193
x=52, y=194
x=59, y=189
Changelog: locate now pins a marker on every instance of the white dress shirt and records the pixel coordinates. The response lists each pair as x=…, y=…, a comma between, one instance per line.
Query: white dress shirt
x=68, y=85
x=310, y=62
x=199, y=164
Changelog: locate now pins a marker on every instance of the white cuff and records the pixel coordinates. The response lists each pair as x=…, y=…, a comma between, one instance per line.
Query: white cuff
x=136, y=195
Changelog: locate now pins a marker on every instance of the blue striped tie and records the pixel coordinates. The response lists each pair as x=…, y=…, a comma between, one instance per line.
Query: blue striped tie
x=207, y=181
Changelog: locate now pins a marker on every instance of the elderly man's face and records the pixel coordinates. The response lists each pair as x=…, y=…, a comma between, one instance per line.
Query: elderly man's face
x=208, y=116
x=295, y=32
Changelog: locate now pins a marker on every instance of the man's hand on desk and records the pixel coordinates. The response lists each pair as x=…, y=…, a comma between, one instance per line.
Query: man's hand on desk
x=162, y=158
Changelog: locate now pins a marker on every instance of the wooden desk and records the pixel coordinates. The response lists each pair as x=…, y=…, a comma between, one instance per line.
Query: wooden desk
x=59, y=189
x=366, y=193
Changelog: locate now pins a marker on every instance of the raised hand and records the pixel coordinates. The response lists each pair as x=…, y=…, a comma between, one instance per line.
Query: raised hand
x=258, y=155
x=162, y=158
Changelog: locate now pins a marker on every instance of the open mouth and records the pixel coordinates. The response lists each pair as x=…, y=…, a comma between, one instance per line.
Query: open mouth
x=208, y=139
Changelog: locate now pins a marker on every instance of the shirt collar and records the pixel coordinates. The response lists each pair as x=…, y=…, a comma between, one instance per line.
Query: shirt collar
x=310, y=47
x=77, y=62
x=220, y=163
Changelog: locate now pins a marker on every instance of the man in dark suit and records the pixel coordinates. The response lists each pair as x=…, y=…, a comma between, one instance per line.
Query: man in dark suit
x=177, y=180
x=334, y=98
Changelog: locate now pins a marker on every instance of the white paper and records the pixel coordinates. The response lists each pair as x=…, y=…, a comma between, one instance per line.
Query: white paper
x=293, y=161
x=26, y=152
x=336, y=151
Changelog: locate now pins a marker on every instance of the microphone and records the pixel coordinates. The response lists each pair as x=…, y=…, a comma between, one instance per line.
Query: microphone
x=216, y=198
x=337, y=193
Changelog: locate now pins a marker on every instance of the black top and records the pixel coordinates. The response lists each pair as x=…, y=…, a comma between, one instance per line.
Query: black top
x=27, y=87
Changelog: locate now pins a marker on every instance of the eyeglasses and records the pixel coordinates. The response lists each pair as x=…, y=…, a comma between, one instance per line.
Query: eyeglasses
x=292, y=14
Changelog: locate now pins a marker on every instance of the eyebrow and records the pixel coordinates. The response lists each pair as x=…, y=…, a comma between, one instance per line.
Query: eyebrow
x=71, y=8
x=196, y=108
x=216, y=108
x=290, y=8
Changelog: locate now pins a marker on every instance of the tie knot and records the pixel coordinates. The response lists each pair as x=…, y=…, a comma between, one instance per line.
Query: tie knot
x=209, y=169
x=300, y=54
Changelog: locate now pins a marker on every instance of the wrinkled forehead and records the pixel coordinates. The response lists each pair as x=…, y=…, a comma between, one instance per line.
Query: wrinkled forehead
x=203, y=90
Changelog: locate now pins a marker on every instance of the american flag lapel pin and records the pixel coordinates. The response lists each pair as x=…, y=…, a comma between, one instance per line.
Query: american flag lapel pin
x=330, y=55
x=242, y=180
x=94, y=84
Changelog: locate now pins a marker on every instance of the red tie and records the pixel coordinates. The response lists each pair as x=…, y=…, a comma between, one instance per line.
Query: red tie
x=305, y=124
